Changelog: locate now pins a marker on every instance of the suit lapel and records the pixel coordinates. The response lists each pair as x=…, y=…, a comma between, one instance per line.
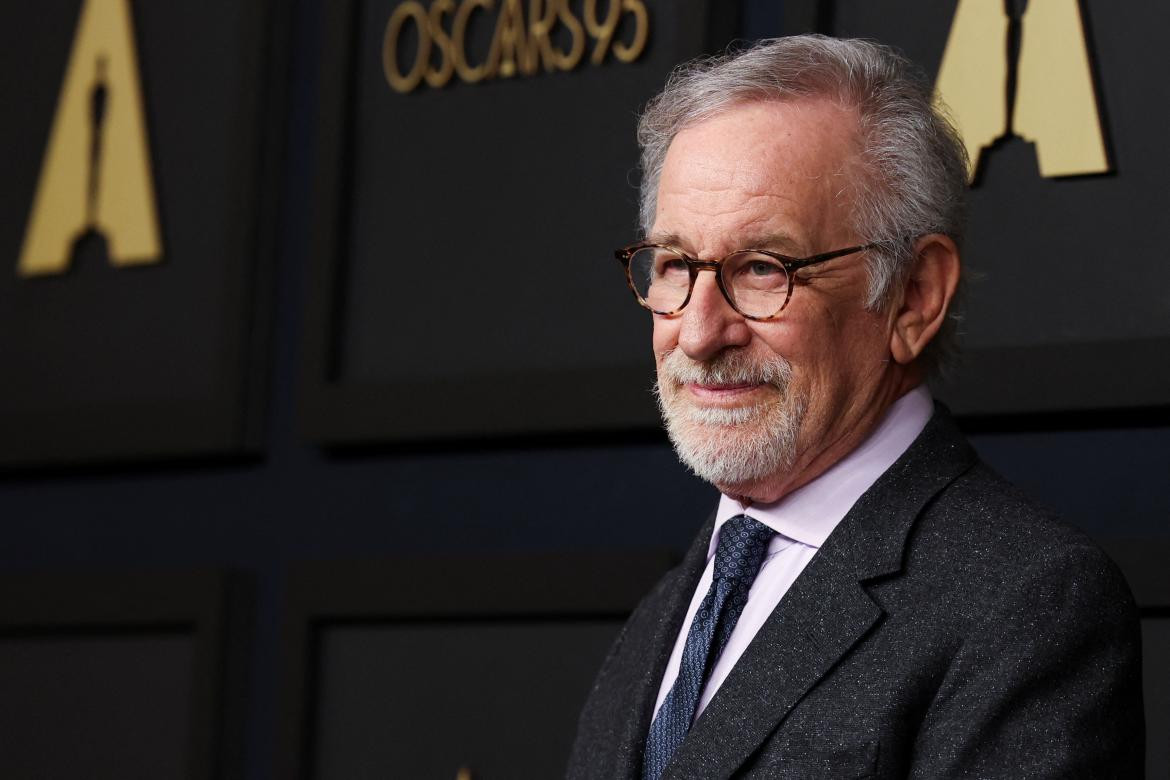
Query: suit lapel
x=827, y=610
x=823, y=615
x=648, y=651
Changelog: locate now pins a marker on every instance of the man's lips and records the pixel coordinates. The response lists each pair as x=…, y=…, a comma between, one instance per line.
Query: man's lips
x=726, y=392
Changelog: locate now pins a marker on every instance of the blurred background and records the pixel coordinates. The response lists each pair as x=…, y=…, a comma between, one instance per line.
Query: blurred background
x=326, y=442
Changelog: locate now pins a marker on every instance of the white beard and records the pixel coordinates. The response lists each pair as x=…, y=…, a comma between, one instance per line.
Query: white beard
x=735, y=446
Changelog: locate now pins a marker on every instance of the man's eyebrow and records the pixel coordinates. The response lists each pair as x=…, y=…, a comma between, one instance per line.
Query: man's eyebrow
x=776, y=241
x=670, y=239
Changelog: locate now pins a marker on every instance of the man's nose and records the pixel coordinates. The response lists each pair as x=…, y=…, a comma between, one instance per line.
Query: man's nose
x=709, y=324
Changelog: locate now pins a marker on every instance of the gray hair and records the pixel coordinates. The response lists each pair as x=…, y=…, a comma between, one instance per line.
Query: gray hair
x=913, y=178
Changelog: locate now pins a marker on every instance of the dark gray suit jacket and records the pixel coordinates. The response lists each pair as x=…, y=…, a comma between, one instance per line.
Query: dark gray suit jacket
x=947, y=628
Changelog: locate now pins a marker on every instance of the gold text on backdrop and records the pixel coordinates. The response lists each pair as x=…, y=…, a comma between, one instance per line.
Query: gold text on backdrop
x=96, y=175
x=525, y=38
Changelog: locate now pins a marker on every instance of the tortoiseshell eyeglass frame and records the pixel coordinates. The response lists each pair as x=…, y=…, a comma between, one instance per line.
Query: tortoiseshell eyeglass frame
x=790, y=264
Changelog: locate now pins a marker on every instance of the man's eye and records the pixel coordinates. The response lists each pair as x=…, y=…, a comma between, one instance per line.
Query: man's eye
x=671, y=266
x=761, y=268
x=753, y=273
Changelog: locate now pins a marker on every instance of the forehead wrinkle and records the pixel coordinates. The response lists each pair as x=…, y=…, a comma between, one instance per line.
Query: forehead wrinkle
x=755, y=223
x=757, y=179
x=754, y=171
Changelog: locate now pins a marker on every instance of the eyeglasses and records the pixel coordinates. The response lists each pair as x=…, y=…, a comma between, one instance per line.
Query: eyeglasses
x=756, y=282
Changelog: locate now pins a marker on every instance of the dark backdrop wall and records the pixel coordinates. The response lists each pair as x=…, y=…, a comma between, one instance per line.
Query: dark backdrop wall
x=262, y=516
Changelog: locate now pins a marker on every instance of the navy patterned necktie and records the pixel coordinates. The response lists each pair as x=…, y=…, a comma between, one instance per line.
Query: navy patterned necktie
x=742, y=545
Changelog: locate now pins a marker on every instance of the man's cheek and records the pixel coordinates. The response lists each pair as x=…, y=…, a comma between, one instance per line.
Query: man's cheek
x=665, y=338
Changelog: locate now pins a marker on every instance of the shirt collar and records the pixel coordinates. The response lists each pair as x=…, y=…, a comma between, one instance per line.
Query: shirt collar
x=809, y=514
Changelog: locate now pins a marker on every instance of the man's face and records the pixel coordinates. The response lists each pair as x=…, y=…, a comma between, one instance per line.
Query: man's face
x=759, y=408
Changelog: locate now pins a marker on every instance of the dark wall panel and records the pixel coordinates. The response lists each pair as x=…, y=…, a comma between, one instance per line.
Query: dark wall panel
x=500, y=698
x=86, y=706
x=420, y=668
x=120, y=675
x=142, y=361
x=1155, y=650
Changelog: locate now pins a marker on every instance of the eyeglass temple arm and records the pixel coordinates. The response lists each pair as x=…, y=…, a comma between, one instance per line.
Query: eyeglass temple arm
x=796, y=265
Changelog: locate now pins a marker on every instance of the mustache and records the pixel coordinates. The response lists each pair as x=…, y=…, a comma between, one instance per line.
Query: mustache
x=728, y=367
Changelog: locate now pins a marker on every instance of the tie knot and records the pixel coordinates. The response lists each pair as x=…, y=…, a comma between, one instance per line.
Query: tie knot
x=743, y=541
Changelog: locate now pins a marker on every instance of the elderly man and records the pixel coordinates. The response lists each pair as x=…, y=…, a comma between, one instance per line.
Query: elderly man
x=868, y=600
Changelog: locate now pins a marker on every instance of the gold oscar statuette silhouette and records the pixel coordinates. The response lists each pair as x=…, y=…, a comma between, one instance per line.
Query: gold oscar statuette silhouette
x=96, y=175
x=1043, y=94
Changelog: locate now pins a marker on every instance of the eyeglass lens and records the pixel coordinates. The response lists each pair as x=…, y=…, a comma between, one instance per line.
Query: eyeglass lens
x=756, y=283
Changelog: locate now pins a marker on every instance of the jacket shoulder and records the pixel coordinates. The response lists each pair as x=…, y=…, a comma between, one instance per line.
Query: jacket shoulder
x=987, y=538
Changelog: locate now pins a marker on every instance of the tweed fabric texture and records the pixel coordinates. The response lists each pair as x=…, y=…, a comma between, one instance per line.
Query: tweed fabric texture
x=947, y=628
x=743, y=543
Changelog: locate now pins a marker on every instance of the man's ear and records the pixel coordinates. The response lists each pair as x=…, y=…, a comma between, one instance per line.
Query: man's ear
x=926, y=296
